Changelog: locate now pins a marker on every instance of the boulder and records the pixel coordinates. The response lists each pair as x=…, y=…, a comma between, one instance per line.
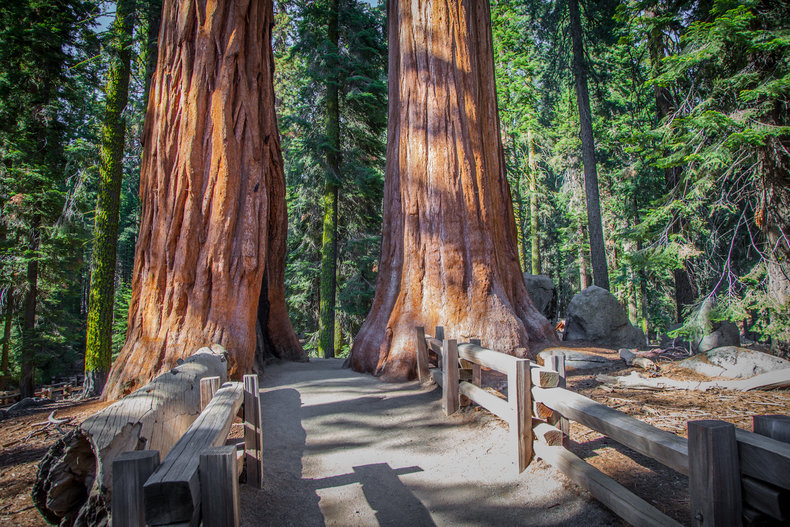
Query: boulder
x=733, y=362
x=595, y=316
x=24, y=404
x=543, y=293
x=723, y=334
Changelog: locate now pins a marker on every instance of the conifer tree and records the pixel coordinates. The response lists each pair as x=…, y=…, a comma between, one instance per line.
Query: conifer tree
x=98, y=350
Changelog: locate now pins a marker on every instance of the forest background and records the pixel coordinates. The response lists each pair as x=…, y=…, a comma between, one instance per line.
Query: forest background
x=689, y=112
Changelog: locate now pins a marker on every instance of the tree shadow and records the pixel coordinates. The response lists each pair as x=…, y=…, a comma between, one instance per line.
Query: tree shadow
x=395, y=504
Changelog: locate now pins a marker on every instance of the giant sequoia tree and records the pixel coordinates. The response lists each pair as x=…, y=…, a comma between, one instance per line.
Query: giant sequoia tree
x=448, y=251
x=210, y=255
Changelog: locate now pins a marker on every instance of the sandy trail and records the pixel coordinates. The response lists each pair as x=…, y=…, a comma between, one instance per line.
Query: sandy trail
x=342, y=448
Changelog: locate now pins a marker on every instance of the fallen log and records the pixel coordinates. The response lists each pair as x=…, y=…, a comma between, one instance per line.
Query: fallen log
x=74, y=481
x=632, y=359
x=766, y=381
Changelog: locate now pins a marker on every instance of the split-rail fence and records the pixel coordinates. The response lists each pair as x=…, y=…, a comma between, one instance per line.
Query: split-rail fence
x=735, y=477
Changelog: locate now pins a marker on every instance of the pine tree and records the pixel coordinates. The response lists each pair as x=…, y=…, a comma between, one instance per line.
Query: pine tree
x=326, y=325
x=594, y=222
x=308, y=60
x=39, y=99
x=98, y=350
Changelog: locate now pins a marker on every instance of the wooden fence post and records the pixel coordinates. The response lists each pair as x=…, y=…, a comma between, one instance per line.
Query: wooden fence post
x=423, y=373
x=714, y=474
x=208, y=387
x=451, y=399
x=219, y=484
x=253, y=432
x=438, y=333
x=519, y=395
x=129, y=472
x=558, y=365
x=477, y=370
x=773, y=426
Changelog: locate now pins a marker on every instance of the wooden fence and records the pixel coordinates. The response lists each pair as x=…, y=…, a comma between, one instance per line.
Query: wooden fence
x=149, y=492
x=735, y=477
x=56, y=392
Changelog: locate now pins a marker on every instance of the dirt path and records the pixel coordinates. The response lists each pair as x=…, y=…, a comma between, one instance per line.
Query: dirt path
x=342, y=448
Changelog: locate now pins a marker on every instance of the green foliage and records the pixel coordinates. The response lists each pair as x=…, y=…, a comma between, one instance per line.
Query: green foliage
x=302, y=54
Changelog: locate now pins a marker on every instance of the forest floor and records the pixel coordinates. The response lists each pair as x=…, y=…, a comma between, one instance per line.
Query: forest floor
x=23, y=442
x=345, y=449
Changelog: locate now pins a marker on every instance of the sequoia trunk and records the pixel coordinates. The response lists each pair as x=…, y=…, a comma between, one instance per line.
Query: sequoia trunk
x=448, y=251
x=213, y=225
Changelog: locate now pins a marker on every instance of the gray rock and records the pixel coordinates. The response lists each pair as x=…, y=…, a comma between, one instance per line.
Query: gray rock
x=733, y=362
x=24, y=404
x=723, y=334
x=595, y=316
x=543, y=293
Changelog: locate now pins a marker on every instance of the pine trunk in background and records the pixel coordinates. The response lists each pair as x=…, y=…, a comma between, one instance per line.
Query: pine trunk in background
x=98, y=347
x=775, y=215
x=8, y=316
x=326, y=322
x=448, y=252
x=585, y=280
x=594, y=224
x=210, y=256
x=519, y=213
x=29, y=341
x=533, y=207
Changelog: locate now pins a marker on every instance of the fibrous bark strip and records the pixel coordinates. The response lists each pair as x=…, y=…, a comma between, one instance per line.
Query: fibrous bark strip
x=213, y=221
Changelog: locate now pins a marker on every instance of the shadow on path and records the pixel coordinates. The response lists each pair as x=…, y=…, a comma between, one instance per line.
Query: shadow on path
x=289, y=499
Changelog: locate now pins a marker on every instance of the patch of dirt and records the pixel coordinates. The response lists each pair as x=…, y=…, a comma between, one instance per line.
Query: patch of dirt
x=23, y=442
x=668, y=410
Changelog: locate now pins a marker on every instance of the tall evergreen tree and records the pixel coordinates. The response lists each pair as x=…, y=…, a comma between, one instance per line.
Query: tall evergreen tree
x=594, y=223
x=326, y=324
x=39, y=44
x=310, y=66
x=98, y=350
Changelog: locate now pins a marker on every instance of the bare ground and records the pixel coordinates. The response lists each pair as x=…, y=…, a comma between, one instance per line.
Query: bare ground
x=345, y=449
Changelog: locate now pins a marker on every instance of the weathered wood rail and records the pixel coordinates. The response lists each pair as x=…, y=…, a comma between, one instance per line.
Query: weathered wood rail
x=199, y=465
x=55, y=391
x=735, y=477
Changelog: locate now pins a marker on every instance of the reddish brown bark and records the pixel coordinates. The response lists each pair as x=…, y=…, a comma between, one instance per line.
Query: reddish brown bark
x=213, y=223
x=448, y=252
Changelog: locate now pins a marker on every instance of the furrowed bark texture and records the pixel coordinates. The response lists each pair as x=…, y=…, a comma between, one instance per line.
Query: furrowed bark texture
x=213, y=222
x=449, y=246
